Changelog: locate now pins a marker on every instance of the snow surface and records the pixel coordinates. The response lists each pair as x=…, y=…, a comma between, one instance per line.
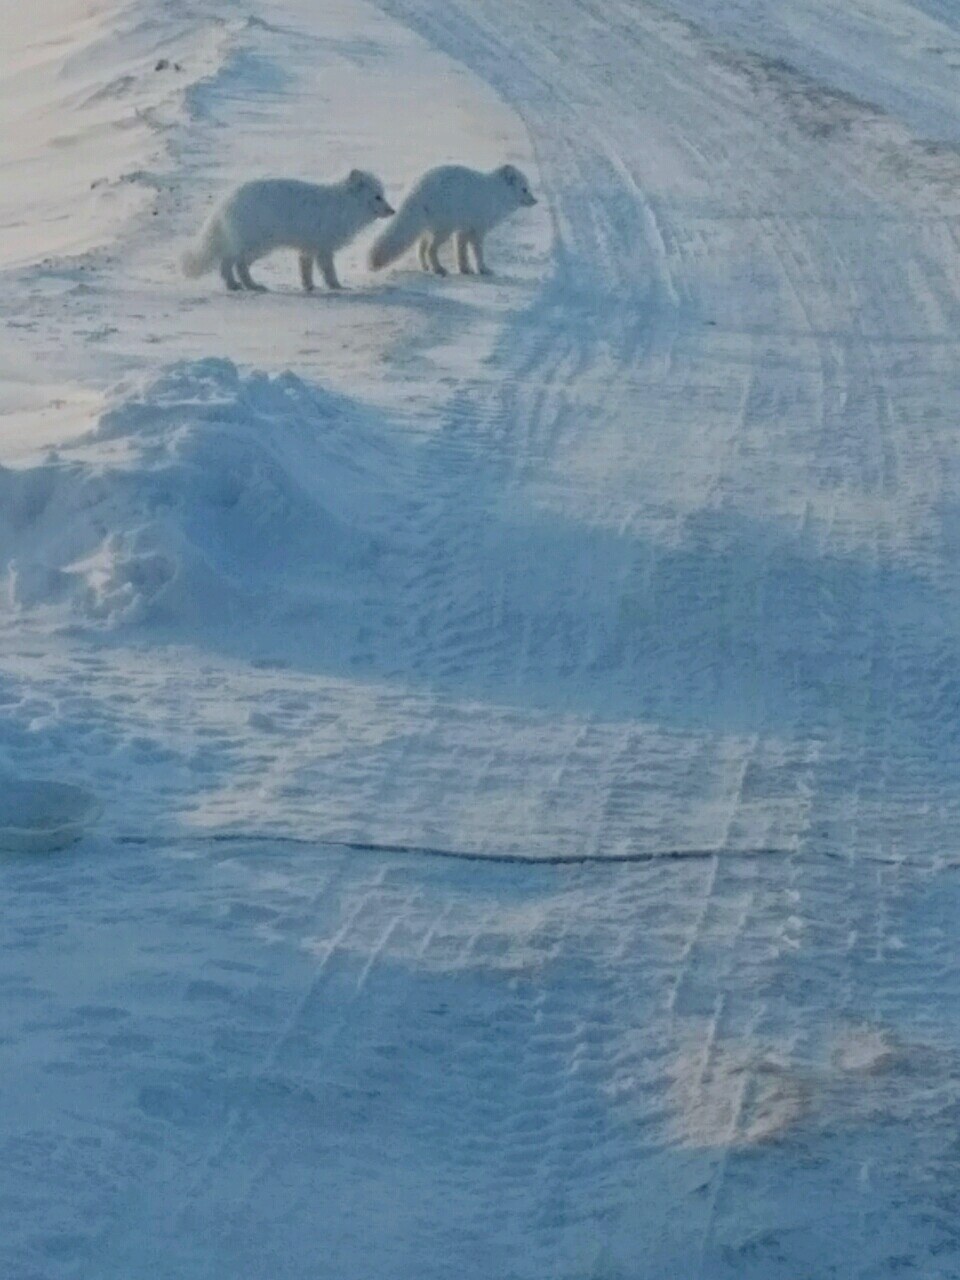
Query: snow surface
x=507, y=729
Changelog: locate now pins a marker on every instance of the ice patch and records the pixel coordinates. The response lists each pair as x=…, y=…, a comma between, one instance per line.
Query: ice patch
x=201, y=498
x=38, y=816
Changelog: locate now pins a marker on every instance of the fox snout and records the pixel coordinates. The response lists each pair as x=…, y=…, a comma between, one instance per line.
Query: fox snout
x=529, y=199
x=387, y=211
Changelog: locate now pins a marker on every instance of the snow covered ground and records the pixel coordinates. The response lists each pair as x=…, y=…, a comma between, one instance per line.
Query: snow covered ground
x=512, y=725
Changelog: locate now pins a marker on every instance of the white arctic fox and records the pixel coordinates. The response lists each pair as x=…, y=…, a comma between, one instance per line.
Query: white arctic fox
x=452, y=200
x=279, y=213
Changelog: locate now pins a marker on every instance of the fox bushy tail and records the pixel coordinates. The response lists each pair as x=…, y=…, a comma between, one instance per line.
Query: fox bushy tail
x=206, y=252
x=404, y=228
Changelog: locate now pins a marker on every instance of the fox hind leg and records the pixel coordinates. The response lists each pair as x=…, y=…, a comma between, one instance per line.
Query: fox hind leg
x=422, y=252
x=226, y=272
x=248, y=282
x=306, y=271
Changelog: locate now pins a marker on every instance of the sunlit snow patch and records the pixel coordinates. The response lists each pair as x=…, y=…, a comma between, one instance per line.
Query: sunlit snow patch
x=866, y=1050
x=732, y=1095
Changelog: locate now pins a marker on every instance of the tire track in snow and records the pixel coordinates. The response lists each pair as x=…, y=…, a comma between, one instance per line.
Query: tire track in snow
x=537, y=432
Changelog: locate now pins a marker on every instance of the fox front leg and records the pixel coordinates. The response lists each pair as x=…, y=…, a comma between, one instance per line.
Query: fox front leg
x=328, y=270
x=463, y=262
x=435, y=266
x=477, y=242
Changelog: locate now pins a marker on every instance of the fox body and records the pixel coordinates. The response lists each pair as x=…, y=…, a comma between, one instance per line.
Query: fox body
x=280, y=213
x=452, y=201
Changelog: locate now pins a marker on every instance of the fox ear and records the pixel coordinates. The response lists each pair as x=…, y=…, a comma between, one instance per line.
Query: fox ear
x=510, y=175
x=355, y=178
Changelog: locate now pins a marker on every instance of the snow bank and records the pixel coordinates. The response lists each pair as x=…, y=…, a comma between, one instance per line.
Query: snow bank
x=38, y=816
x=200, y=498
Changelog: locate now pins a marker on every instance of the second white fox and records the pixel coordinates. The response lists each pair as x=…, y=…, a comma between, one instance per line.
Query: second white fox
x=452, y=201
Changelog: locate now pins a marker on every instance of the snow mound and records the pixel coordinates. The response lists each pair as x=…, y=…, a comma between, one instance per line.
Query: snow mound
x=38, y=817
x=204, y=498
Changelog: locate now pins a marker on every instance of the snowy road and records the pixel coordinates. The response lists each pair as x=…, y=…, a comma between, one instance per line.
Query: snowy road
x=648, y=548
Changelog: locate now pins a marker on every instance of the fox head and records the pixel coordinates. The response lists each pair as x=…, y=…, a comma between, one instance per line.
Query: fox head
x=369, y=190
x=517, y=184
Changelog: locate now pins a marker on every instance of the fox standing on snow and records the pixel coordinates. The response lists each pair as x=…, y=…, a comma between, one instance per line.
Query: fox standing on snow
x=452, y=200
x=279, y=213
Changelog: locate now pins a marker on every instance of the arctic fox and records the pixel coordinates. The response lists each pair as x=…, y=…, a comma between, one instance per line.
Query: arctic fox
x=279, y=213
x=452, y=200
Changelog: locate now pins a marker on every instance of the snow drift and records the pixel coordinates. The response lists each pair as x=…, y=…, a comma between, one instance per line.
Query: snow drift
x=200, y=498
